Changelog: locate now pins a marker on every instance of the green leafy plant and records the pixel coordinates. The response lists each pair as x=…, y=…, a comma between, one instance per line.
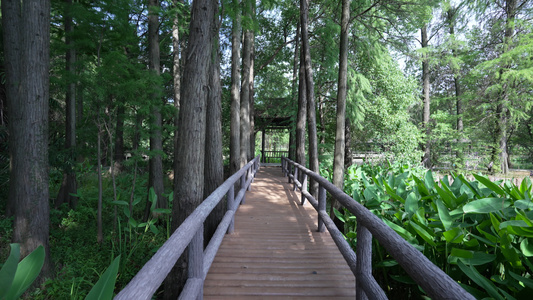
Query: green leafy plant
x=16, y=277
x=103, y=289
x=479, y=232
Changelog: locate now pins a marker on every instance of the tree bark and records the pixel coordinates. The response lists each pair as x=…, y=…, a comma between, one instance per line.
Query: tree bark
x=235, y=142
x=310, y=93
x=247, y=74
x=338, y=162
x=69, y=186
x=301, y=120
x=189, y=190
x=176, y=73
x=294, y=93
x=155, y=178
x=214, y=166
x=425, y=91
x=26, y=29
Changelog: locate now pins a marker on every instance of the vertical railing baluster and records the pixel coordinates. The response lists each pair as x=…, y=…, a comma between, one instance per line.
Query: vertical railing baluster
x=296, y=171
x=248, y=174
x=304, y=188
x=242, y=187
x=196, y=258
x=289, y=170
x=230, y=199
x=321, y=207
x=364, y=259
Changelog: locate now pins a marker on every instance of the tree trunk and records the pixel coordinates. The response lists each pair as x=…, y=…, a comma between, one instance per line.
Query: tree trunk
x=251, y=75
x=26, y=29
x=310, y=93
x=214, y=166
x=235, y=142
x=302, y=114
x=176, y=72
x=155, y=178
x=348, y=145
x=99, y=224
x=294, y=92
x=511, y=7
x=340, y=133
x=119, y=138
x=247, y=74
x=425, y=80
x=189, y=189
x=69, y=186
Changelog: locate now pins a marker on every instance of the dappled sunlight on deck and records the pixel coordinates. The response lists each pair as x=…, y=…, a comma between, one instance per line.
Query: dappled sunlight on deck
x=276, y=250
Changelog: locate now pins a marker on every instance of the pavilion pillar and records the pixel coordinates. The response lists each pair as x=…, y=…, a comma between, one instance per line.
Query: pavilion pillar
x=263, y=136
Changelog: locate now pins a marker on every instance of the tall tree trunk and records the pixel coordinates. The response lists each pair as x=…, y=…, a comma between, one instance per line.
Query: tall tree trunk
x=340, y=133
x=155, y=178
x=310, y=93
x=99, y=223
x=235, y=142
x=348, y=145
x=425, y=81
x=251, y=75
x=189, y=190
x=68, y=186
x=301, y=118
x=176, y=73
x=294, y=92
x=119, y=138
x=511, y=7
x=214, y=166
x=26, y=29
x=322, y=122
x=247, y=74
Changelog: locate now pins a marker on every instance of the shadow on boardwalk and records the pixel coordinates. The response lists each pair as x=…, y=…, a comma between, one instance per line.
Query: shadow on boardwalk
x=276, y=251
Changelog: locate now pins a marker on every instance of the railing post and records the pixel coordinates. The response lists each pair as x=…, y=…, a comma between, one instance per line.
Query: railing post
x=295, y=178
x=304, y=188
x=248, y=175
x=289, y=170
x=242, y=187
x=196, y=258
x=230, y=199
x=364, y=260
x=321, y=207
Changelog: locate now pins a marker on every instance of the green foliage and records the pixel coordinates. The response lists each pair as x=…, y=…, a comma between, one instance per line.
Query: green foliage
x=16, y=277
x=479, y=232
x=103, y=289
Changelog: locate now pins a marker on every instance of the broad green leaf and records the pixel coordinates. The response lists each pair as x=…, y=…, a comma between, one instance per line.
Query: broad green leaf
x=462, y=253
x=528, y=282
x=429, y=180
x=162, y=211
x=514, y=223
x=132, y=222
x=474, y=258
x=28, y=269
x=489, y=184
x=480, y=280
x=126, y=211
x=424, y=234
x=120, y=202
x=469, y=186
x=411, y=204
x=7, y=273
x=523, y=204
x=486, y=205
x=393, y=194
x=152, y=197
x=403, y=279
x=526, y=246
x=454, y=235
x=387, y=263
x=399, y=230
x=154, y=229
x=103, y=289
x=444, y=215
x=447, y=197
x=339, y=215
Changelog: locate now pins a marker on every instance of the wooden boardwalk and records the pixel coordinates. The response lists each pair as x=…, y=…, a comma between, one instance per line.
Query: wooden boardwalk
x=276, y=251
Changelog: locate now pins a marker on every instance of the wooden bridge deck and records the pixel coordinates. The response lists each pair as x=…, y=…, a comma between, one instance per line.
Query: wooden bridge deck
x=276, y=251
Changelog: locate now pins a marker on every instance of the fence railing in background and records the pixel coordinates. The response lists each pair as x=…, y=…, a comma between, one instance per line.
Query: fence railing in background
x=436, y=283
x=273, y=156
x=190, y=233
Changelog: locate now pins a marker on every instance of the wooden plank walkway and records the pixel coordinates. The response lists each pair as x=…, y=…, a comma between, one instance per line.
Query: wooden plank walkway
x=276, y=251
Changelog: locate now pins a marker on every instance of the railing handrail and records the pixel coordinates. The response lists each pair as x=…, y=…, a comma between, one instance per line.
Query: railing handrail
x=435, y=282
x=190, y=233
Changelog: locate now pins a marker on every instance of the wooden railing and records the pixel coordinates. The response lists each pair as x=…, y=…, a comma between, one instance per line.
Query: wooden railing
x=269, y=156
x=190, y=233
x=436, y=283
